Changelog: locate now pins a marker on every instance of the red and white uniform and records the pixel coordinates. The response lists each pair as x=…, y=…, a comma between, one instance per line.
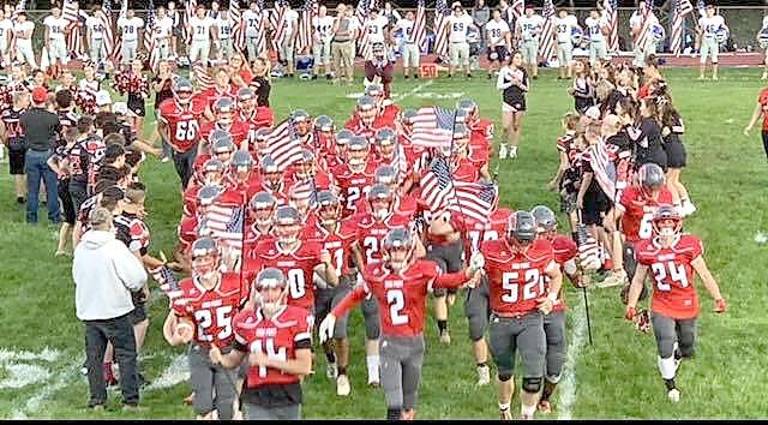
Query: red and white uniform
x=466, y=170
x=353, y=186
x=482, y=134
x=187, y=232
x=239, y=131
x=405, y=205
x=672, y=273
x=338, y=243
x=183, y=123
x=371, y=232
x=401, y=296
x=516, y=280
x=638, y=212
x=355, y=125
x=480, y=232
x=212, y=310
x=211, y=95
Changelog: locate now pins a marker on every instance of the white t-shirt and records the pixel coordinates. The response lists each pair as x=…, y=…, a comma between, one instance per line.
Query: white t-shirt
x=322, y=27
x=594, y=28
x=711, y=25
x=765, y=21
x=291, y=20
x=21, y=27
x=496, y=32
x=252, y=22
x=530, y=27
x=375, y=29
x=5, y=26
x=56, y=27
x=130, y=27
x=636, y=20
x=564, y=27
x=201, y=28
x=224, y=25
x=459, y=26
x=406, y=26
x=96, y=26
x=164, y=27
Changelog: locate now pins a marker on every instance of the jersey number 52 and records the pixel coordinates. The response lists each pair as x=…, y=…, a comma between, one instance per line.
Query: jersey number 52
x=511, y=283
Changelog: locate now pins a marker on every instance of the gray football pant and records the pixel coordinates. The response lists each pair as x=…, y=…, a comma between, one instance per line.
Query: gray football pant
x=401, y=360
x=668, y=331
x=449, y=257
x=476, y=309
x=206, y=379
x=524, y=335
x=369, y=307
x=554, y=329
x=255, y=412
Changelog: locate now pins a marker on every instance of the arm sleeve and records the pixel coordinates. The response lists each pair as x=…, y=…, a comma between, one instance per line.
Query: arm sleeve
x=450, y=280
x=352, y=299
x=128, y=268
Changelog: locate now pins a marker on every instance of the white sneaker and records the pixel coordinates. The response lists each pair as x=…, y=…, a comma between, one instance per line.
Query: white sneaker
x=503, y=152
x=165, y=159
x=483, y=375
x=331, y=370
x=513, y=152
x=673, y=395
x=689, y=208
x=342, y=386
x=445, y=337
x=614, y=279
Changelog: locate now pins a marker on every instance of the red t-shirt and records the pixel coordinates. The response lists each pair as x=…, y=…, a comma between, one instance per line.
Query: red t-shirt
x=763, y=101
x=638, y=211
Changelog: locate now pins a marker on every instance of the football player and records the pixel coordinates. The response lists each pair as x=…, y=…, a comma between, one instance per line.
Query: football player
x=203, y=316
x=481, y=137
x=255, y=116
x=338, y=153
x=272, y=179
x=302, y=122
x=399, y=284
x=324, y=129
x=277, y=338
x=516, y=266
x=225, y=118
x=367, y=118
x=261, y=219
x=355, y=176
x=672, y=257
x=241, y=177
x=212, y=174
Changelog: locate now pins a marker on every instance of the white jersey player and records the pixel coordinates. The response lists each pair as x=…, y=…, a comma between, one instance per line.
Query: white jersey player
x=564, y=25
x=598, y=48
x=6, y=34
x=410, y=53
x=22, y=33
x=376, y=29
x=499, y=41
x=288, y=45
x=94, y=29
x=129, y=26
x=252, y=18
x=322, y=35
x=162, y=33
x=707, y=30
x=458, y=27
x=55, y=38
x=641, y=22
x=202, y=28
x=529, y=28
x=224, y=25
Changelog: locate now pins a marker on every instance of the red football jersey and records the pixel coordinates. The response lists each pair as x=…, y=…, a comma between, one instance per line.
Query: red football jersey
x=298, y=267
x=465, y=170
x=211, y=95
x=337, y=243
x=353, y=186
x=493, y=230
x=673, y=292
x=371, y=233
x=401, y=296
x=239, y=131
x=405, y=205
x=638, y=212
x=763, y=101
x=211, y=310
x=279, y=338
x=516, y=281
x=565, y=250
x=187, y=232
x=247, y=188
x=183, y=123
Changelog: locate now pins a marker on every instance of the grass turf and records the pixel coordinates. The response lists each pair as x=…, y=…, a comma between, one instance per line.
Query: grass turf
x=614, y=378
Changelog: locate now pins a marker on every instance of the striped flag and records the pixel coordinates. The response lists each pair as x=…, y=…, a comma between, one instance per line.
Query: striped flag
x=278, y=24
x=283, y=145
x=189, y=12
x=261, y=42
x=235, y=16
x=433, y=127
x=547, y=41
x=167, y=280
x=604, y=168
x=702, y=8
x=442, y=12
x=108, y=41
x=648, y=19
x=473, y=200
x=681, y=9
x=419, y=32
x=436, y=185
x=612, y=16
x=305, y=189
x=361, y=12
x=202, y=78
x=70, y=11
x=149, y=36
x=118, y=51
x=304, y=39
x=518, y=9
x=225, y=224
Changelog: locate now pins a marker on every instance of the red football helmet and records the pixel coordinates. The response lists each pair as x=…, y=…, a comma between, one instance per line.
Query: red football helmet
x=667, y=222
x=263, y=206
x=206, y=258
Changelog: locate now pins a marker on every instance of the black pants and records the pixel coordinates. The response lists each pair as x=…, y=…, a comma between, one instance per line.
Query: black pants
x=765, y=142
x=119, y=332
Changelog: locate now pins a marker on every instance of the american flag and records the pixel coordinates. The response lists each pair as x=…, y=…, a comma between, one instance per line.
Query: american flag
x=277, y=20
x=612, y=15
x=118, y=52
x=167, y=280
x=305, y=189
x=702, y=8
x=548, y=43
x=235, y=16
x=518, y=9
x=442, y=12
x=604, y=168
x=645, y=29
x=308, y=12
x=681, y=9
x=261, y=42
x=225, y=223
x=70, y=11
x=436, y=185
x=105, y=16
x=189, y=12
x=419, y=32
x=361, y=12
x=433, y=127
x=475, y=200
x=283, y=145
x=202, y=78
x=149, y=36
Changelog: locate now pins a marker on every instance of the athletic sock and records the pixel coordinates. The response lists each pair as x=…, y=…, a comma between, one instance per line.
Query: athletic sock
x=373, y=368
x=330, y=356
x=670, y=384
x=527, y=411
x=342, y=370
x=442, y=326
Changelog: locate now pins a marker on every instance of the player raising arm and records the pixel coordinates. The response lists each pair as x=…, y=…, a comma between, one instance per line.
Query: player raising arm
x=672, y=257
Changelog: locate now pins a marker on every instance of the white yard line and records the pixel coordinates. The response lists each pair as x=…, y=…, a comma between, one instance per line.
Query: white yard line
x=34, y=403
x=47, y=355
x=176, y=373
x=567, y=387
x=411, y=92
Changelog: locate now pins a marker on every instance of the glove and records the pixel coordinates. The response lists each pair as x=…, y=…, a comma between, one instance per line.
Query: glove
x=326, y=328
x=477, y=262
x=720, y=305
x=630, y=313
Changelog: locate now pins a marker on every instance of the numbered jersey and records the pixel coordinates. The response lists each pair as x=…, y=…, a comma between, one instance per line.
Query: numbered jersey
x=516, y=280
x=530, y=27
x=638, y=212
x=496, y=32
x=337, y=243
x=710, y=26
x=564, y=28
x=297, y=266
x=375, y=29
x=371, y=233
x=252, y=23
x=56, y=27
x=459, y=27
x=353, y=186
x=672, y=274
x=565, y=251
x=477, y=232
x=211, y=311
x=183, y=122
x=278, y=338
x=11, y=120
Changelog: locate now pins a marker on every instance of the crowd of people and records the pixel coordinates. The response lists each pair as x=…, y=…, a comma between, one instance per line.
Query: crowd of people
x=287, y=226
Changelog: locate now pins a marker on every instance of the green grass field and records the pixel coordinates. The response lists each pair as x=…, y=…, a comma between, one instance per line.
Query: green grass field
x=42, y=345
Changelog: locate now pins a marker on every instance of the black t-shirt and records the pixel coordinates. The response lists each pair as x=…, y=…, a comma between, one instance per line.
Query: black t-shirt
x=41, y=128
x=165, y=93
x=262, y=87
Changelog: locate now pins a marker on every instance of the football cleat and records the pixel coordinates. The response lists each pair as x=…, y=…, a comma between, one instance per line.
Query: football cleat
x=342, y=386
x=673, y=395
x=503, y=153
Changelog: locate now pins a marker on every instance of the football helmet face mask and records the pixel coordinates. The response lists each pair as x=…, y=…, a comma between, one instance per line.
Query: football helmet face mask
x=380, y=199
x=263, y=206
x=224, y=111
x=375, y=91
x=223, y=149
x=206, y=196
x=357, y=153
x=206, y=258
x=242, y=165
x=367, y=110
x=667, y=222
x=270, y=291
x=213, y=172
x=300, y=199
x=301, y=122
x=386, y=143
x=246, y=100
x=324, y=125
x=273, y=177
x=342, y=141
x=398, y=248
x=469, y=107
x=262, y=139
x=305, y=167
x=388, y=176
x=521, y=230
x=287, y=225
x=546, y=222
x=182, y=91
x=328, y=208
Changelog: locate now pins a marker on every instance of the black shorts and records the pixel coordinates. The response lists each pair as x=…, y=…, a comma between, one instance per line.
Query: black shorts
x=136, y=106
x=500, y=51
x=138, y=315
x=676, y=157
x=16, y=154
x=596, y=204
x=66, y=202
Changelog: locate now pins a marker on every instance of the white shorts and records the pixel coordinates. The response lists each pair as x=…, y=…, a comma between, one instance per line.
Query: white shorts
x=57, y=51
x=411, y=55
x=709, y=47
x=225, y=49
x=597, y=50
x=530, y=51
x=459, y=53
x=251, y=45
x=96, y=54
x=642, y=52
x=321, y=52
x=129, y=49
x=199, y=50
x=163, y=48
x=24, y=52
x=565, y=53
x=287, y=51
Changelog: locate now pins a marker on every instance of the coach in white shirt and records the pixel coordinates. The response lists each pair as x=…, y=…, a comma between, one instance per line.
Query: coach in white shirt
x=458, y=48
x=595, y=24
x=129, y=26
x=22, y=31
x=529, y=28
x=411, y=53
x=322, y=34
x=252, y=18
x=564, y=25
x=163, y=31
x=201, y=26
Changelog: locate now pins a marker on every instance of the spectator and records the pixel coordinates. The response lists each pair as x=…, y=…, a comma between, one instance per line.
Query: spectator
x=41, y=128
x=105, y=273
x=481, y=13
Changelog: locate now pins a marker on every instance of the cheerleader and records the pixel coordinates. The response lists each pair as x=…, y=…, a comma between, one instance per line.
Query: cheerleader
x=85, y=97
x=567, y=179
x=513, y=82
x=583, y=91
x=136, y=86
x=672, y=132
x=646, y=136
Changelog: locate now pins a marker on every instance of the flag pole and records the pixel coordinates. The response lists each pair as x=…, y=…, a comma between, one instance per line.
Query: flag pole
x=582, y=229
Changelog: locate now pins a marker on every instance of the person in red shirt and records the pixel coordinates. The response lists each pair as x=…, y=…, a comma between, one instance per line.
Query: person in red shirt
x=467, y=163
x=481, y=128
x=249, y=113
x=671, y=257
x=277, y=340
x=399, y=284
x=324, y=128
x=225, y=118
x=387, y=110
x=221, y=88
x=212, y=174
x=179, y=124
x=338, y=153
x=203, y=316
x=354, y=177
x=272, y=179
x=241, y=176
x=761, y=111
x=517, y=266
x=302, y=125
x=366, y=119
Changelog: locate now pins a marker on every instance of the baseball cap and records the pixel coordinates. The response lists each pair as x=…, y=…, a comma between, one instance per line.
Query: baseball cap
x=103, y=98
x=39, y=95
